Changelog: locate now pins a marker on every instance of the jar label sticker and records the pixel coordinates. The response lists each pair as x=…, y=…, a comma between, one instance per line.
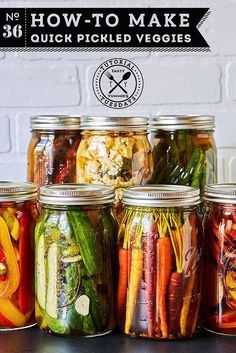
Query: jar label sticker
x=82, y=305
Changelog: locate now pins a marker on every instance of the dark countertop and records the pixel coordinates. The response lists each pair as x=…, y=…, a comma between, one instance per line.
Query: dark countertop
x=34, y=341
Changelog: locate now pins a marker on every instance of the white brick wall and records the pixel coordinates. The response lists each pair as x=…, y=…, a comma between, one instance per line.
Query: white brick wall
x=39, y=83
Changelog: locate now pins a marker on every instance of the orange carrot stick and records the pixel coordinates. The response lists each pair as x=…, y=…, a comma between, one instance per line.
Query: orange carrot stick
x=123, y=282
x=134, y=284
x=175, y=296
x=164, y=251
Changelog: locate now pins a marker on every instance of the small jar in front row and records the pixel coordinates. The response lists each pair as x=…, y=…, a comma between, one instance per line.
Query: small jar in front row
x=220, y=260
x=160, y=262
x=75, y=241
x=18, y=214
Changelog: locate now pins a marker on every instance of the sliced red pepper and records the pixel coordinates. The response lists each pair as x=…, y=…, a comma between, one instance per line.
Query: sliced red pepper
x=26, y=296
x=2, y=255
x=5, y=322
x=3, y=260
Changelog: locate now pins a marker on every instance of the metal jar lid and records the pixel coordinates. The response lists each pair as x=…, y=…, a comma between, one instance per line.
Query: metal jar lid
x=10, y=191
x=55, y=122
x=177, y=122
x=221, y=193
x=76, y=194
x=114, y=123
x=161, y=196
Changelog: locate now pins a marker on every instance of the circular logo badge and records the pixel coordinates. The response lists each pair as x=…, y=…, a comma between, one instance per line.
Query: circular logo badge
x=118, y=83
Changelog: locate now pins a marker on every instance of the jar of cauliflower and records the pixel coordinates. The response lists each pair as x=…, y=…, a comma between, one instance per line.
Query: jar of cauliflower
x=114, y=151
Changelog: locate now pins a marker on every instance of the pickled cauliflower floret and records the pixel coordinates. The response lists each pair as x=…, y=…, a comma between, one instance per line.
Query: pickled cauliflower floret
x=92, y=169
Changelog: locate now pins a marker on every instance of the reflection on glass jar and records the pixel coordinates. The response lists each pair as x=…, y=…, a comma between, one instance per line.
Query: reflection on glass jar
x=52, y=149
x=160, y=262
x=220, y=278
x=115, y=152
x=75, y=260
x=184, y=150
x=18, y=214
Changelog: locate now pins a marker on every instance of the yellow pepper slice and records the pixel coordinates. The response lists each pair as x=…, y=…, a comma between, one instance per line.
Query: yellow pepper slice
x=10, y=285
x=231, y=284
x=12, y=313
x=12, y=223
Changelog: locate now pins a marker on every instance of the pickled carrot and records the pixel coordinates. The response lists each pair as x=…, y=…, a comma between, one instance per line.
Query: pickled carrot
x=190, y=284
x=175, y=296
x=135, y=278
x=164, y=271
x=123, y=281
x=150, y=275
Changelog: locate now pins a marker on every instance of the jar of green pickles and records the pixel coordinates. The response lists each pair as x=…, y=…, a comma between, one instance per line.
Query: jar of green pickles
x=114, y=151
x=184, y=150
x=160, y=262
x=52, y=149
x=219, y=307
x=75, y=256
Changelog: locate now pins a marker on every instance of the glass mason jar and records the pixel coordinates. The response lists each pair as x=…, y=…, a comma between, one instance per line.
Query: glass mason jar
x=114, y=151
x=184, y=150
x=75, y=258
x=52, y=149
x=160, y=262
x=220, y=260
x=18, y=214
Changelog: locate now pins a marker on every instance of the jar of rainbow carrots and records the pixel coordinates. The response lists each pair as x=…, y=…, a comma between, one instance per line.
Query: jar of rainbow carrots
x=18, y=214
x=160, y=262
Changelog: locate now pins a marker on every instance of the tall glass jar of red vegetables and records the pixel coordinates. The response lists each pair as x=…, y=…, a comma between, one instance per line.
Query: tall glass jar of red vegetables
x=184, y=150
x=52, y=149
x=75, y=258
x=18, y=215
x=220, y=261
x=114, y=151
x=160, y=262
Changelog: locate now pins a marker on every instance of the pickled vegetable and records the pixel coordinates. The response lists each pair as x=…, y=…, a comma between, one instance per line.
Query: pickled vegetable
x=74, y=271
x=160, y=272
x=184, y=157
x=117, y=159
x=220, y=283
x=16, y=265
x=52, y=157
